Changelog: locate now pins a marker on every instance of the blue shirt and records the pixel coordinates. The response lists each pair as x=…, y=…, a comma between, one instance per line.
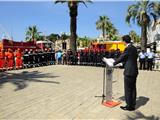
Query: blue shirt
x=59, y=55
x=150, y=55
x=142, y=55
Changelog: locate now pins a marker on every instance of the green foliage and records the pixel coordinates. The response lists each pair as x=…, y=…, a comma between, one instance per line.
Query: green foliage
x=64, y=36
x=73, y=12
x=135, y=37
x=142, y=12
x=41, y=37
x=115, y=38
x=106, y=26
x=83, y=41
x=53, y=37
x=32, y=33
x=102, y=24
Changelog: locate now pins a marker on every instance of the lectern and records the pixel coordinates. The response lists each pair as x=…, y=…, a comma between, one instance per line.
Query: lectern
x=107, y=99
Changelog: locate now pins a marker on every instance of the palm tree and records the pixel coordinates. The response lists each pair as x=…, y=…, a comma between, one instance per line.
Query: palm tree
x=143, y=12
x=134, y=36
x=53, y=37
x=32, y=33
x=111, y=31
x=73, y=12
x=41, y=37
x=106, y=26
x=102, y=24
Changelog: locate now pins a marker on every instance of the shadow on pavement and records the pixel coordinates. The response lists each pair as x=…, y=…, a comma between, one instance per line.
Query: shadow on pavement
x=137, y=115
x=122, y=98
x=141, y=101
x=21, y=80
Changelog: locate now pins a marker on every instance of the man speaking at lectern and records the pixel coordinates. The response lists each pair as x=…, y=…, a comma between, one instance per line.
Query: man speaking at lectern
x=129, y=58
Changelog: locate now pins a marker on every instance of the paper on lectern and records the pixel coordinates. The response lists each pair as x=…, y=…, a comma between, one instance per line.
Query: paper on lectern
x=109, y=61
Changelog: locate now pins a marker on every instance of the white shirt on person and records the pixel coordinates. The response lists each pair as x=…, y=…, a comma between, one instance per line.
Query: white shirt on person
x=142, y=55
x=150, y=55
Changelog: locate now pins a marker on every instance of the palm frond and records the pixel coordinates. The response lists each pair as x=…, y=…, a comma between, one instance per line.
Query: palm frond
x=128, y=18
x=85, y=1
x=138, y=18
x=156, y=8
x=60, y=1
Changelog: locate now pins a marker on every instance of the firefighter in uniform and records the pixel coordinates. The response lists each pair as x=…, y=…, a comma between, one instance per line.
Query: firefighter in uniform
x=2, y=60
x=25, y=58
x=91, y=57
x=10, y=59
x=99, y=58
x=45, y=57
x=40, y=57
x=31, y=59
x=48, y=57
x=36, y=58
x=94, y=57
x=18, y=56
x=52, y=57
x=81, y=57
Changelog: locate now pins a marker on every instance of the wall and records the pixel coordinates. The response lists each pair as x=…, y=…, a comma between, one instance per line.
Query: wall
x=152, y=34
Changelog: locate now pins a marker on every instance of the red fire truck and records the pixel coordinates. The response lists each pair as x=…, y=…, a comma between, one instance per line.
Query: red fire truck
x=108, y=46
x=30, y=45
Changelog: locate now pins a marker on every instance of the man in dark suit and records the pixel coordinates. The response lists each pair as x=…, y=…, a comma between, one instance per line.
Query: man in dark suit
x=129, y=58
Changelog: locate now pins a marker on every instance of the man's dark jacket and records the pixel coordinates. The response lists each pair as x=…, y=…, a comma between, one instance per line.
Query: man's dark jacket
x=129, y=58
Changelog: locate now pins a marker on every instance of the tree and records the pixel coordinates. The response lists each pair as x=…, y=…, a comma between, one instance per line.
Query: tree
x=106, y=26
x=135, y=37
x=64, y=36
x=41, y=37
x=115, y=38
x=142, y=12
x=103, y=24
x=53, y=37
x=83, y=41
x=73, y=12
x=112, y=32
x=32, y=33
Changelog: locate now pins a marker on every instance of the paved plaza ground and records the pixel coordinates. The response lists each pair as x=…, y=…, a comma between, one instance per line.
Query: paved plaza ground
x=68, y=92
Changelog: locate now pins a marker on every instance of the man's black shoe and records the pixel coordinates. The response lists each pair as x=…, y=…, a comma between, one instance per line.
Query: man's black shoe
x=127, y=108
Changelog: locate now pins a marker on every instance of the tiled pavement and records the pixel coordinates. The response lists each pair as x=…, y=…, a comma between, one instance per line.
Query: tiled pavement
x=68, y=92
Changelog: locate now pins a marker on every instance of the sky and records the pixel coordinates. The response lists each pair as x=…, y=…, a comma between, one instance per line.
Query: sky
x=16, y=16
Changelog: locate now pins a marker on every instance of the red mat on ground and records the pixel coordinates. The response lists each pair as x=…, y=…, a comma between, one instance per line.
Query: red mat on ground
x=111, y=103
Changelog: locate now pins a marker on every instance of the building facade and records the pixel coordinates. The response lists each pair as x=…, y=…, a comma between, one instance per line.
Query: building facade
x=154, y=34
x=62, y=45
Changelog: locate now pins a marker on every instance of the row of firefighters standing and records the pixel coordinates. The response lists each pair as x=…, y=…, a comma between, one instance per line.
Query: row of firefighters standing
x=10, y=60
x=39, y=58
x=85, y=57
x=20, y=59
x=7, y=59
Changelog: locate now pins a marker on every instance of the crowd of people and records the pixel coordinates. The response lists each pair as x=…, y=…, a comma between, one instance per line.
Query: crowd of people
x=19, y=59
x=7, y=59
x=85, y=57
x=34, y=58
x=147, y=60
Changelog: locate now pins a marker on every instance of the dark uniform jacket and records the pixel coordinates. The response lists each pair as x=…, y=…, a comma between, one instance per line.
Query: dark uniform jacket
x=129, y=58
